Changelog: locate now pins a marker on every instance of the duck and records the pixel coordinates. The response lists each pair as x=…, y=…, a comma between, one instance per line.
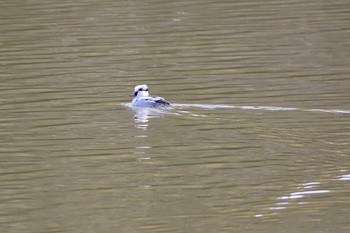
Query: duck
x=143, y=99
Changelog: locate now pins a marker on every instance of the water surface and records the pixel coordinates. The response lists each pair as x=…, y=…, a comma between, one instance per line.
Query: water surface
x=257, y=139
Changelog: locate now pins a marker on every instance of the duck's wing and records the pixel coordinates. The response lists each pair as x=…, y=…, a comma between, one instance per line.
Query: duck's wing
x=151, y=101
x=160, y=101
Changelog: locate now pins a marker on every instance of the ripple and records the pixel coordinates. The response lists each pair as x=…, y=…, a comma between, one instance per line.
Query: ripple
x=345, y=177
x=309, y=192
x=267, y=108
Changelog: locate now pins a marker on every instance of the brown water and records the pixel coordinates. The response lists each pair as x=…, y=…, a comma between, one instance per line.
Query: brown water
x=257, y=139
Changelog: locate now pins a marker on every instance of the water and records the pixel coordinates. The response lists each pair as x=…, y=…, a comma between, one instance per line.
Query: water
x=257, y=139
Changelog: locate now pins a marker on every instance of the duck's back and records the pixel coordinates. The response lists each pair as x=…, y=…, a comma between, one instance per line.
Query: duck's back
x=151, y=101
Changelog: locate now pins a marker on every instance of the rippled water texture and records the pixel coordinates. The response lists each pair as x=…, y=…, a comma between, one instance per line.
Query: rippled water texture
x=257, y=138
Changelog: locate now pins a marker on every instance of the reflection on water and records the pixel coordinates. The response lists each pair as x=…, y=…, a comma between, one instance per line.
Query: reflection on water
x=143, y=114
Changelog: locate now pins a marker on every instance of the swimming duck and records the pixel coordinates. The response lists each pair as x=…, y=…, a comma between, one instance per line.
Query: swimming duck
x=142, y=98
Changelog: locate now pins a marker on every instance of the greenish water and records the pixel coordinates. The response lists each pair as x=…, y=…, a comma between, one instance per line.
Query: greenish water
x=257, y=139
